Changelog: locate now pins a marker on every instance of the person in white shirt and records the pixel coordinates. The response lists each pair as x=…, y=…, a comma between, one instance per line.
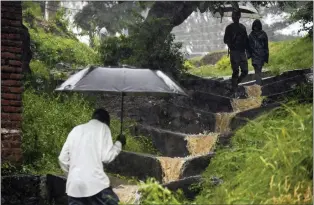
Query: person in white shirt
x=87, y=147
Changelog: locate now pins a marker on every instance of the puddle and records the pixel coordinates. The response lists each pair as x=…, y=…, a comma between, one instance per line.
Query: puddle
x=127, y=193
x=253, y=90
x=240, y=105
x=202, y=144
x=254, y=99
x=171, y=168
x=223, y=120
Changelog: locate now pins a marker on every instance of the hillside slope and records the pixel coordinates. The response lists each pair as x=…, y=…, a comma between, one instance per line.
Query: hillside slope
x=284, y=55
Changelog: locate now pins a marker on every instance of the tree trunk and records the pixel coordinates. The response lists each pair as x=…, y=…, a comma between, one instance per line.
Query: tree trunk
x=26, y=50
x=165, y=15
x=91, y=39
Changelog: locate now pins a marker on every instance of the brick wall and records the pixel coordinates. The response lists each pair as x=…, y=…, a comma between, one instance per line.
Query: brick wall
x=11, y=81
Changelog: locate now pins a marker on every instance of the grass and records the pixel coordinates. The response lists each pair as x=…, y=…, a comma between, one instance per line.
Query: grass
x=221, y=68
x=291, y=54
x=270, y=161
x=284, y=56
x=52, y=42
x=52, y=49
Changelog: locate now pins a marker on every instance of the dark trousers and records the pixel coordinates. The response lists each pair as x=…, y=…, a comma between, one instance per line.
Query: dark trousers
x=238, y=59
x=258, y=74
x=105, y=197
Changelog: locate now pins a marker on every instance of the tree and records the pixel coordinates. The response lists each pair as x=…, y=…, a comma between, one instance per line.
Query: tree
x=113, y=15
x=305, y=15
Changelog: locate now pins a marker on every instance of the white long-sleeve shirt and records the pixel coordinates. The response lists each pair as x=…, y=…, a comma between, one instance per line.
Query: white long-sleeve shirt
x=87, y=147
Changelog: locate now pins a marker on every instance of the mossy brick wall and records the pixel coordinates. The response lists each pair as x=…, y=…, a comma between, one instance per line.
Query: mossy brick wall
x=11, y=81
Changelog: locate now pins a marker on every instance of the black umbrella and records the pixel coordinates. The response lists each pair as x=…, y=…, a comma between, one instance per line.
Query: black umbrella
x=246, y=11
x=127, y=81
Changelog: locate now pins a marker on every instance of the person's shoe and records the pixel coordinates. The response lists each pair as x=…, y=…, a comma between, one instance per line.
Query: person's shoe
x=235, y=95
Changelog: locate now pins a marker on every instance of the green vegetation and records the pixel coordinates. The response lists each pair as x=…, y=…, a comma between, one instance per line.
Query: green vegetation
x=154, y=193
x=52, y=43
x=284, y=55
x=221, y=68
x=52, y=49
x=144, y=50
x=48, y=119
x=270, y=161
x=289, y=55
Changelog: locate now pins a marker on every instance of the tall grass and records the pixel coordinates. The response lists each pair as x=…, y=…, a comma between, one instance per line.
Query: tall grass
x=48, y=119
x=270, y=161
x=291, y=54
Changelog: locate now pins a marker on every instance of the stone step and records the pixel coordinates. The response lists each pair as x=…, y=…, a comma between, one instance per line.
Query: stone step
x=249, y=77
x=163, y=169
x=285, y=75
x=128, y=194
x=190, y=186
x=172, y=117
x=175, y=118
x=204, y=101
x=223, y=87
x=283, y=85
x=139, y=165
x=215, y=103
x=175, y=144
x=270, y=102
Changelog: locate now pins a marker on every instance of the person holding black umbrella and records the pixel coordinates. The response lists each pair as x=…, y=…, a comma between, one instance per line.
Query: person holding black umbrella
x=87, y=147
x=237, y=40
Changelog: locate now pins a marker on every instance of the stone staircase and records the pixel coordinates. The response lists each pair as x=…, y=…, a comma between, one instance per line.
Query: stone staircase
x=185, y=130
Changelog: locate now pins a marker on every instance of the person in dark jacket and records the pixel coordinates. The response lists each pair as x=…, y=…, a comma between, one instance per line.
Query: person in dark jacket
x=259, y=52
x=237, y=40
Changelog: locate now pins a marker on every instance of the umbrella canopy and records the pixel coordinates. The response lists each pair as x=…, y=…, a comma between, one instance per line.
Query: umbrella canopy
x=246, y=11
x=121, y=80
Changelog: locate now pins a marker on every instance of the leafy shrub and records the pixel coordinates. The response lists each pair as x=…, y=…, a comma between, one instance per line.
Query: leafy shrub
x=114, y=50
x=270, y=161
x=60, y=20
x=52, y=42
x=188, y=65
x=154, y=193
x=196, y=61
x=212, y=57
x=52, y=49
x=31, y=10
x=47, y=120
x=39, y=68
x=141, y=49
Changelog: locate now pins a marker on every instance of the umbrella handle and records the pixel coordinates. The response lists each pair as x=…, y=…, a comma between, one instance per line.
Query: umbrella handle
x=121, y=115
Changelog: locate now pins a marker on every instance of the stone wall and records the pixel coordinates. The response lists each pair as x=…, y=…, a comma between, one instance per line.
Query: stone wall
x=11, y=81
